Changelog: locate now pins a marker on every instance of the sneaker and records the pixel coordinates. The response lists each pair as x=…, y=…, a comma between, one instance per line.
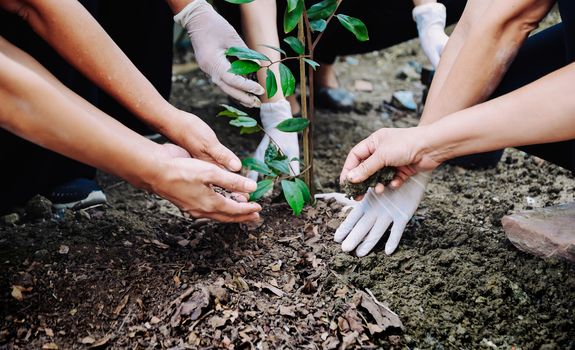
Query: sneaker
x=77, y=194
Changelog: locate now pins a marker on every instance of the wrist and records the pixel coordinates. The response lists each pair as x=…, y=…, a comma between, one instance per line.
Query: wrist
x=432, y=147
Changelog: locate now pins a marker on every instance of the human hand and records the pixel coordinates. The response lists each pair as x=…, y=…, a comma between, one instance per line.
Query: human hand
x=370, y=218
x=211, y=36
x=188, y=183
x=431, y=19
x=402, y=148
x=196, y=137
x=271, y=115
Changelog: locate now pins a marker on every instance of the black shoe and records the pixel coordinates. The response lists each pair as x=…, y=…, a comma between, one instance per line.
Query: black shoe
x=77, y=194
x=335, y=99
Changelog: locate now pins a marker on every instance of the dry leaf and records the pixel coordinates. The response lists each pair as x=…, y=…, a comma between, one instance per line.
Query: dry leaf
x=64, y=249
x=88, y=340
x=354, y=321
x=17, y=293
x=290, y=284
x=50, y=346
x=277, y=266
x=183, y=242
x=160, y=244
x=287, y=311
x=122, y=305
x=348, y=340
x=197, y=302
x=49, y=332
x=342, y=324
x=341, y=292
x=154, y=320
x=217, y=322
x=384, y=317
x=101, y=342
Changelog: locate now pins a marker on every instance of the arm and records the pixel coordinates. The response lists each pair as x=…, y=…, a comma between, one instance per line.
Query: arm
x=541, y=112
x=37, y=107
x=479, y=52
x=94, y=54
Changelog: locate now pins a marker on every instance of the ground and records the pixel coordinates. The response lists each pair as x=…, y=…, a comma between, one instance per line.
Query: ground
x=136, y=274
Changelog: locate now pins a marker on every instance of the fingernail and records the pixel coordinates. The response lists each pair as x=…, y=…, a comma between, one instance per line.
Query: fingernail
x=235, y=164
x=250, y=185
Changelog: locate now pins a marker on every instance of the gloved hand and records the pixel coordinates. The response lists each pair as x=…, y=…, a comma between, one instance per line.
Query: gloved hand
x=271, y=115
x=211, y=36
x=431, y=19
x=371, y=217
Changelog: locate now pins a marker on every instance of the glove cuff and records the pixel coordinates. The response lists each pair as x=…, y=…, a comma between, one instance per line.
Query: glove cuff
x=184, y=16
x=273, y=113
x=432, y=13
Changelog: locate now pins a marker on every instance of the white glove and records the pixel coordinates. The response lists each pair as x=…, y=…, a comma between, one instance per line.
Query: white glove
x=371, y=217
x=211, y=36
x=271, y=115
x=431, y=19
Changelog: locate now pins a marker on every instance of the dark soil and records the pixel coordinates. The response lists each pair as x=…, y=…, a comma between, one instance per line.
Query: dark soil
x=136, y=274
x=383, y=176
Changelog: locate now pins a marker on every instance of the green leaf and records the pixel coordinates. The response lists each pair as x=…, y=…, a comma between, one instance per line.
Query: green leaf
x=272, y=153
x=355, y=26
x=243, y=53
x=280, y=166
x=312, y=63
x=275, y=48
x=318, y=25
x=271, y=84
x=243, y=122
x=293, y=195
x=238, y=2
x=258, y=166
x=291, y=5
x=322, y=10
x=249, y=130
x=293, y=125
x=231, y=112
x=287, y=79
x=291, y=18
x=242, y=67
x=264, y=187
x=295, y=45
x=304, y=190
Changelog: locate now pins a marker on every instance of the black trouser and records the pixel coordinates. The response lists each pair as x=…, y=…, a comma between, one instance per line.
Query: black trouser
x=143, y=29
x=388, y=23
x=542, y=54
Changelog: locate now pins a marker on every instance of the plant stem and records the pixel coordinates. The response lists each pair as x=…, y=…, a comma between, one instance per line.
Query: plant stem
x=307, y=135
x=279, y=148
x=285, y=59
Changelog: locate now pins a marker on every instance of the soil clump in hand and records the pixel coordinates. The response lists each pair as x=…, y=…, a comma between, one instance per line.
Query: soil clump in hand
x=383, y=176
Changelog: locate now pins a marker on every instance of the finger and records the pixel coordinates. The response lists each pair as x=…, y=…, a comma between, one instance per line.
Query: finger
x=230, y=207
x=242, y=83
x=374, y=236
x=349, y=223
x=367, y=168
x=338, y=197
x=224, y=157
x=379, y=188
x=354, y=158
x=246, y=99
x=230, y=181
x=395, y=236
x=358, y=233
x=254, y=217
x=240, y=197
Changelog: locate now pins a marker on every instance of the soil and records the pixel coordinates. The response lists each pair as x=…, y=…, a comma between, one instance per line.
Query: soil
x=383, y=176
x=137, y=274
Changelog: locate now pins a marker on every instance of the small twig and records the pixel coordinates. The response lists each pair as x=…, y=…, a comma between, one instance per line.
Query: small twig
x=200, y=320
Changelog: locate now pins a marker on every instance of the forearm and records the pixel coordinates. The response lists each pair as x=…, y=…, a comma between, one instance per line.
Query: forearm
x=70, y=29
x=260, y=28
x=35, y=110
x=541, y=112
x=479, y=53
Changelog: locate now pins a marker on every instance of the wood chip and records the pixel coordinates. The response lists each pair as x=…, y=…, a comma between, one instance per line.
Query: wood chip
x=122, y=305
x=88, y=340
x=287, y=311
x=50, y=346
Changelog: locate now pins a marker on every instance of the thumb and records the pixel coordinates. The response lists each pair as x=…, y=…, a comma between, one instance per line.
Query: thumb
x=365, y=169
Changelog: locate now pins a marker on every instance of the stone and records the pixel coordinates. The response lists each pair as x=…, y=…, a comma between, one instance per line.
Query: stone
x=39, y=208
x=546, y=232
x=404, y=100
x=11, y=219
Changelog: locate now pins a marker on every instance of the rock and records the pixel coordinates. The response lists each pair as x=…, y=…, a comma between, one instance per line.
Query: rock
x=546, y=232
x=39, y=208
x=10, y=219
x=363, y=86
x=404, y=100
x=408, y=72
